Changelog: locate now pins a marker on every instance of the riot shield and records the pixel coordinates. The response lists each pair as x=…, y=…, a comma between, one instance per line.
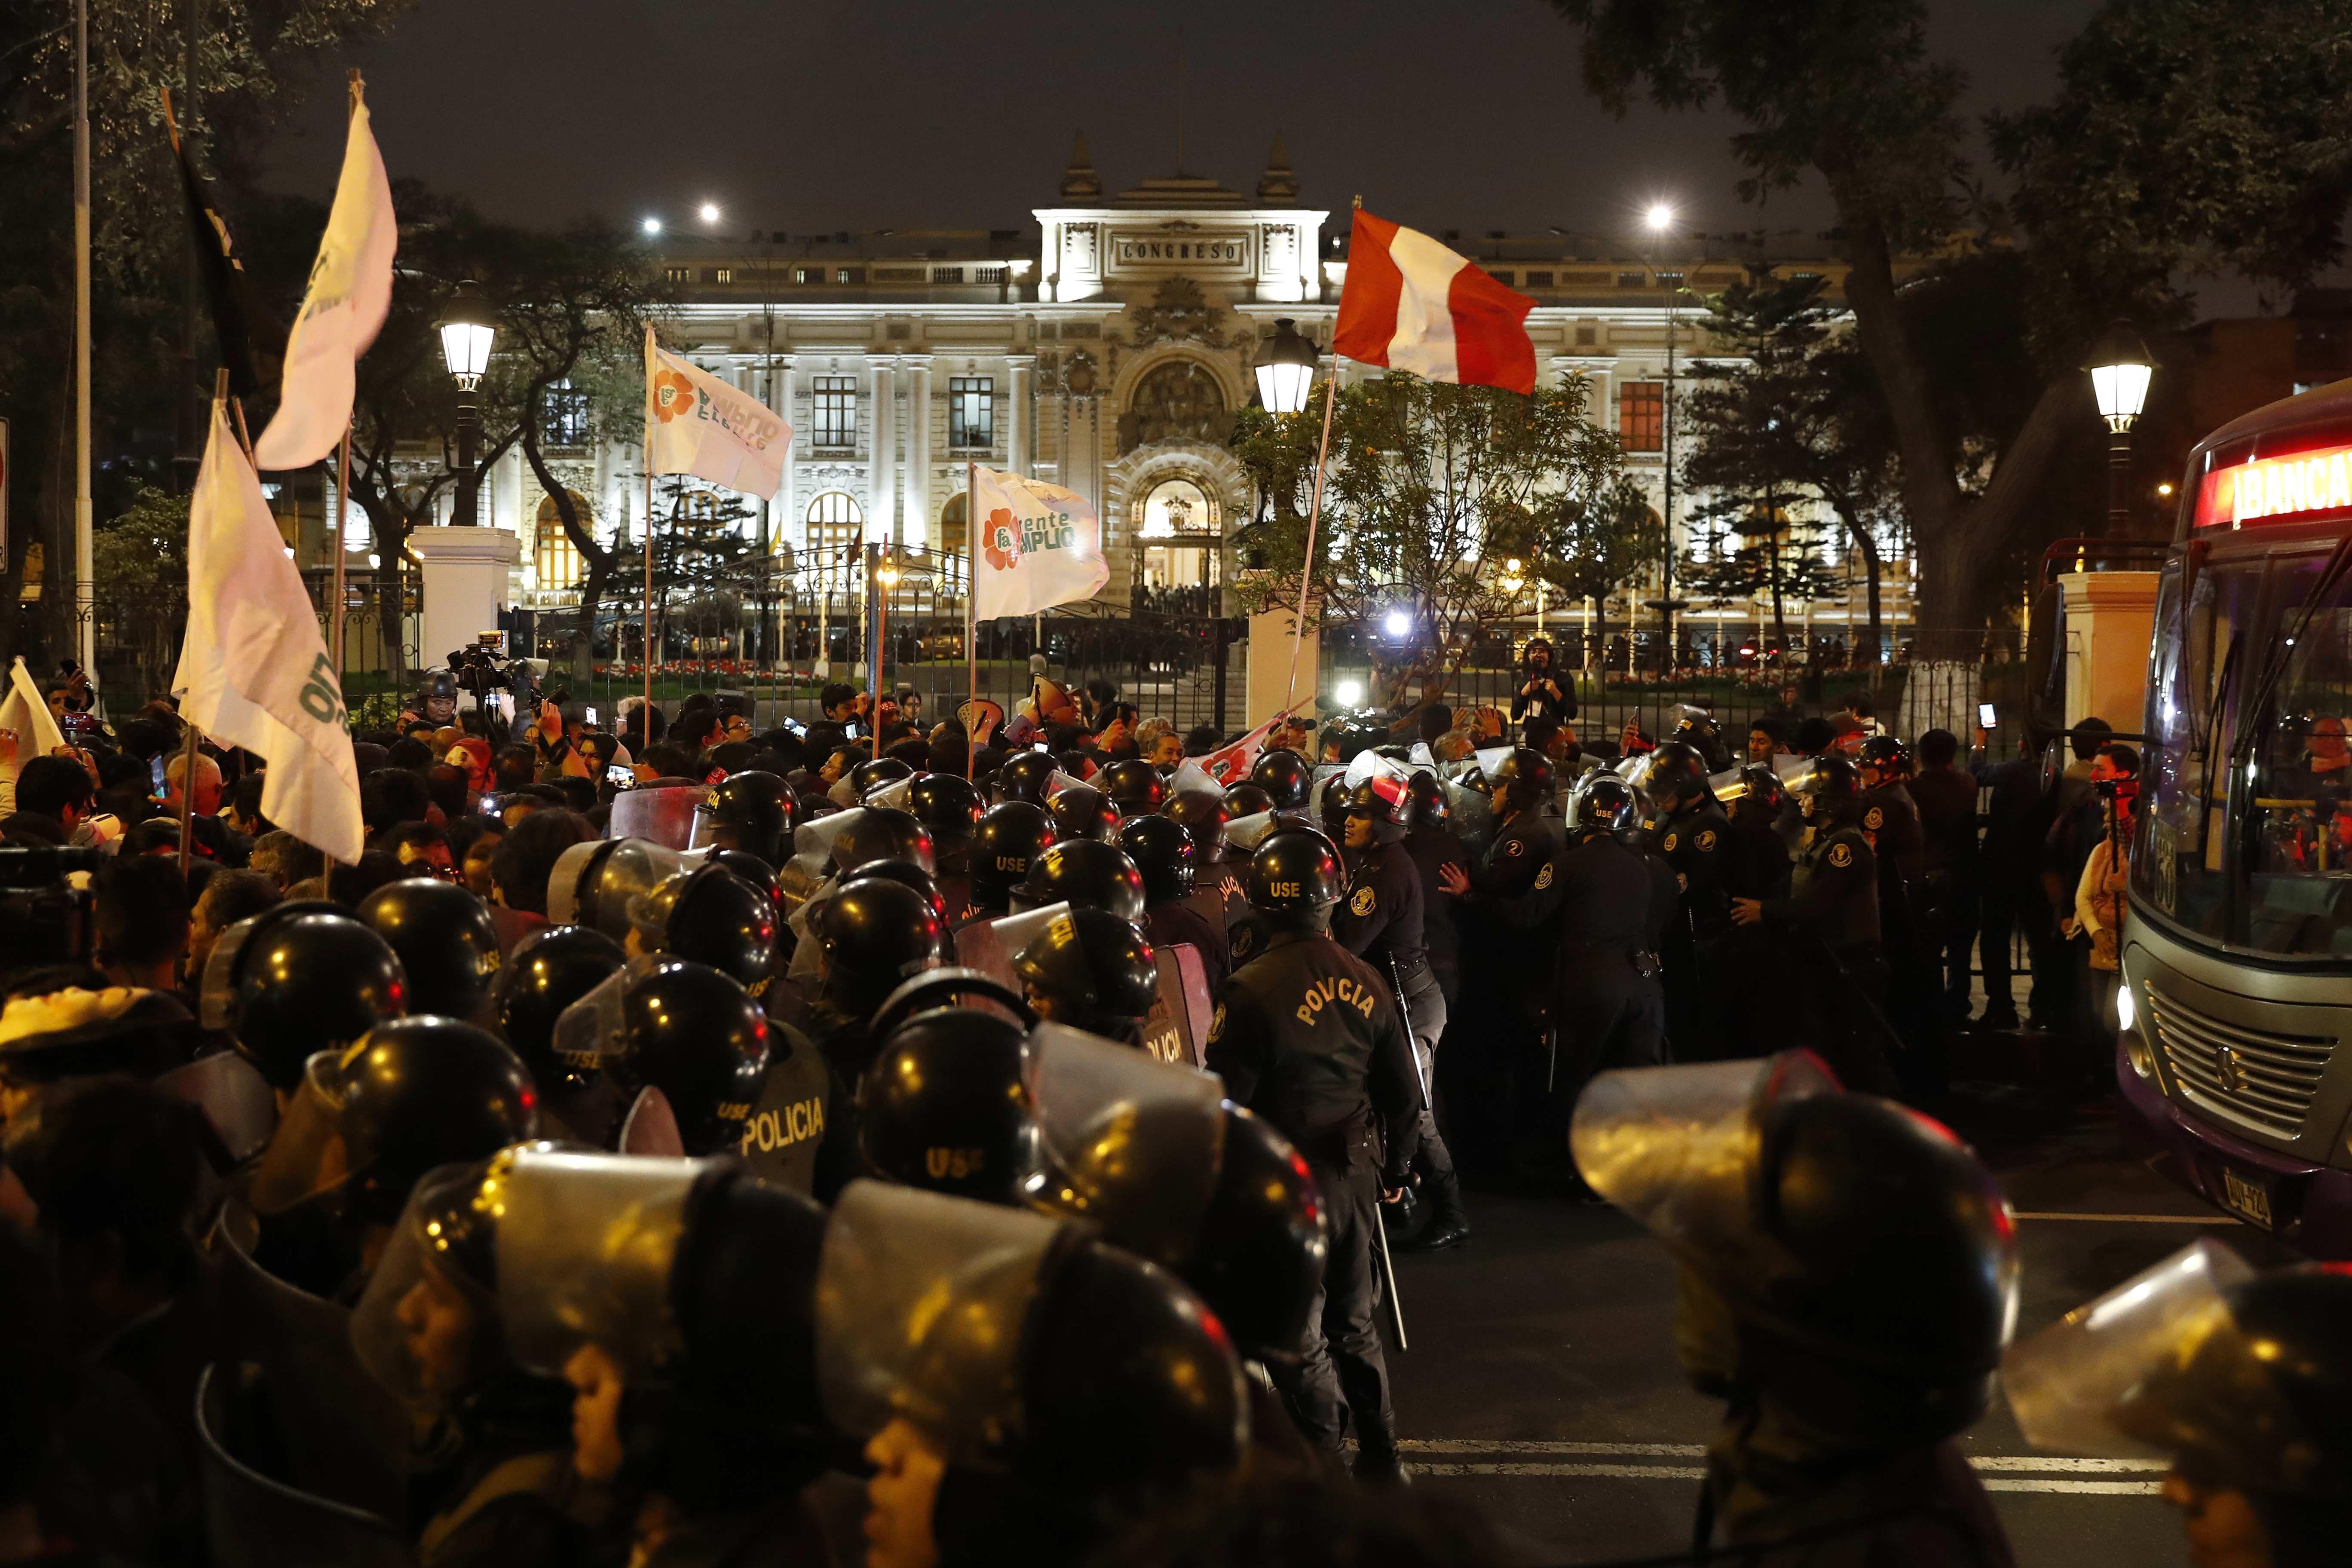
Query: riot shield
x=1176, y=1027
x=990, y=946
x=252, y=1518
x=665, y=816
x=234, y=1098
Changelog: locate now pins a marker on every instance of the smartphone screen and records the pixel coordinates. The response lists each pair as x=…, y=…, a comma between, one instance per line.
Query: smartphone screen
x=1984, y=715
x=624, y=776
x=155, y=772
x=592, y=715
x=796, y=727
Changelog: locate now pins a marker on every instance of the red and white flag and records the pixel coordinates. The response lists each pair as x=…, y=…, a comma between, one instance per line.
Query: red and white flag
x=1412, y=305
x=1231, y=765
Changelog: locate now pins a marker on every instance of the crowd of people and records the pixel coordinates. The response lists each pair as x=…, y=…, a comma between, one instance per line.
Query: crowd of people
x=687, y=1142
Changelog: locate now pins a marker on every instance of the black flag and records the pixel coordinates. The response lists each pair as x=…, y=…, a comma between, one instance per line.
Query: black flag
x=240, y=320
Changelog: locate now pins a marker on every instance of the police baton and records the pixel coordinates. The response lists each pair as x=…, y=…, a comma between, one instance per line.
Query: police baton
x=1388, y=1274
x=1404, y=1011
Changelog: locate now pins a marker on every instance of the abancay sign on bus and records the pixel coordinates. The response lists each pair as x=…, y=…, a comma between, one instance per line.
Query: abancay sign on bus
x=2306, y=483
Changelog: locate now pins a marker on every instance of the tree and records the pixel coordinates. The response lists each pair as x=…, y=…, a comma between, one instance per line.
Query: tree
x=1428, y=487
x=1588, y=547
x=2161, y=101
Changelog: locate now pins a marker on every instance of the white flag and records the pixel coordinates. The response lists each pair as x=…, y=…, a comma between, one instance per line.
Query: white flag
x=25, y=711
x=1036, y=545
x=350, y=290
x=703, y=427
x=253, y=670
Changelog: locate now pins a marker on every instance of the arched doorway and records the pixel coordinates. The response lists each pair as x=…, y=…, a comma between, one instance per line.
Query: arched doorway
x=555, y=560
x=1180, y=535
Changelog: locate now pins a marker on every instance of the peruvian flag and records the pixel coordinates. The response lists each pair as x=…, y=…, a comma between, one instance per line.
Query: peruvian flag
x=1412, y=304
x=1229, y=765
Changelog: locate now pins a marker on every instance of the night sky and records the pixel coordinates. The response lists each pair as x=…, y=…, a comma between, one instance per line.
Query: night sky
x=893, y=113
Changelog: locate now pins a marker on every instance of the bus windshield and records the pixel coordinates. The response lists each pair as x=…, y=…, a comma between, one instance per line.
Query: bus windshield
x=2247, y=836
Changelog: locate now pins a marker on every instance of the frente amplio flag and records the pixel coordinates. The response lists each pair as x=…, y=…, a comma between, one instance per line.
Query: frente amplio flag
x=253, y=670
x=705, y=428
x=342, y=307
x=1035, y=545
x=1412, y=305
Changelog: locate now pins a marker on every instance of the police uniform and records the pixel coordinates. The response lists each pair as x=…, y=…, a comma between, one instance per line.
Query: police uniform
x=954, y=878
x=1432, y=846
x=1756, y=833
x=1829, y=947
x=1914, y=985
x=1178, y=921
x=1381, y=920
x=798, y=1134
x=1609, y=1008
x=1306, y=1036
x=1509, y=951
x=1695, y=842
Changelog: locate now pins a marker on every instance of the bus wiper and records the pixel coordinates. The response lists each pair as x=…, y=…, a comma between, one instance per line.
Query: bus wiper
x=2338, y=560
x=2220, y=705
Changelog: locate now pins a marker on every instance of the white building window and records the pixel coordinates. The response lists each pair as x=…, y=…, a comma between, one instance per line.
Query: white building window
x=837, y=411
x=971, y=413
x=835, y=523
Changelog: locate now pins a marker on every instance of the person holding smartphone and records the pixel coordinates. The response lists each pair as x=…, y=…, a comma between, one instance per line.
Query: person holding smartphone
x=1542, y=693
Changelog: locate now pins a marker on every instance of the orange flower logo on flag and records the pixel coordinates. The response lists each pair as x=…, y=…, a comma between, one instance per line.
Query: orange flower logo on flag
x=673, y=396
x=1002, y=532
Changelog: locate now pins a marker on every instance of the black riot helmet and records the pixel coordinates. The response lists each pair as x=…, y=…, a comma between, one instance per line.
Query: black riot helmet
x=1010, y=835
x=1082, y=811
x=1331, y=807
x=1844, y=1255
x=882, y=833
x=1522, y=781
x=1889, y=755
x=1430, y=806
x=1134, y=787
x=710, y=915
x=1163, y=852
x=1247, y=799
x=1385, y=800
x=1287, y=777
x=754, y=812
x=1214, y=1194
x=447, y=943
x=1203, y=815
x=298, y=979
x=757, y=872
x=1085, y=875
x=876, y=934
x=1601, y=803
x=876, y=772
x=1677, y=775
x=549, y=970
x=1091, y=970
x=1829, y=792
x=946, y=804
x=1023, y=776
x=1294, y=874
x=945, y=1105
x=420, y=1092
x=696, y=1035
x=908, y=874
x=1760, y=782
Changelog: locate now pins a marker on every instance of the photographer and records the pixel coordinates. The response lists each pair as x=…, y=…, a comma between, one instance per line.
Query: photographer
x=1542, y=693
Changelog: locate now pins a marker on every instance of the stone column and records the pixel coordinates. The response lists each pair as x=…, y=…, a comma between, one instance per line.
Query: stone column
x=917, y=526
x=881, y=512
x=2110, y=616
x=784, y=380
x=1016, y=412
x=464, y=587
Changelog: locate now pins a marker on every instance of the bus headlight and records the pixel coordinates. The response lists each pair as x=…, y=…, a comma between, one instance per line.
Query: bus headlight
x=2137, y=1050
x=2127, y=1010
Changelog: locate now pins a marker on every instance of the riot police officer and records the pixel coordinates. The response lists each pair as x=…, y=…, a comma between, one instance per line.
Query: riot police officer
x=1433, y=845
x=447, y=945
x=546, y=973
x=947, y=1107
x=298, y=979
x=1890, y=818
x=753, y=811
x=1693, y=834
x=1287, y=778
x=2243, y=1378
x=1217, y=895
x=1306, y=1037
x=1082, y=811
x=683, y=1030
x=1010, y=835
x=1755, y=825
x=1083, y=874
x=1093, y=971
x=1610, y=1010
x=1505, y=911
x=1023, y=776
x=708, y=915
x=949, y=809
x=1165, y=854
x=1134, y=787
x=872, y=936
x=1848, y=1278
x=1380, y=921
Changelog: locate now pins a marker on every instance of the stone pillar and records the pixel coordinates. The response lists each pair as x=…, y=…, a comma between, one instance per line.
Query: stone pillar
x=464, y=583
x=1267, y=662
x=918, y=527
x=1016, y=414
x=2110, y=620
x=784, y=380
x=881, y=514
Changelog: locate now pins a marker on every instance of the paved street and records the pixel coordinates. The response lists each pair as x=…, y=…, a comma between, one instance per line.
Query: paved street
x=1542, y=1380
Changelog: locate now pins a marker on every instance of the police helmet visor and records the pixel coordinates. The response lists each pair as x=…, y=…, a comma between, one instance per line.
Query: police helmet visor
x=603, y=890
x=1244, y=834
x=816, y=840
x=585, y=1248
x=1131, y=1142
x=1680, y=1149
x=1191, y=775
x=593, y=1032
x=665, y=817
x=893, y=795
x=2096, y=1381
x=921, y=1303
x=447, y=1340
x=1076, y=1077
x=306, y=1157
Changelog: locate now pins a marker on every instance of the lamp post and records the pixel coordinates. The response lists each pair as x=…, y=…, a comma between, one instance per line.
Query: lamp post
x=2120, y=371
x=467, y=329
x=1658, y=219
x=1285, y=368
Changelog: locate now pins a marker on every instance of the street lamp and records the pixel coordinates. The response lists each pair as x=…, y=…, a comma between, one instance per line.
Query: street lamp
x=709, y=211
x=2120, y=371
x=1285, y=368
x=1657, y=219
x=467, y=330
x=649, y=226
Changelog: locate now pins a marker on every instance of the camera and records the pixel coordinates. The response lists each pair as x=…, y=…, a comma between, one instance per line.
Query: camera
x=43, y=918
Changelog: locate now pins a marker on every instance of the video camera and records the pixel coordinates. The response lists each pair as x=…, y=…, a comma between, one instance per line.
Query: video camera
x=484, y=669
x=43, y=918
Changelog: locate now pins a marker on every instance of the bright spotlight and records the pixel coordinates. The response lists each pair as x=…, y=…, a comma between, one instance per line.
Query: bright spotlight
x=1658, y=217
x=651, y=226
x=709, y=211
x=1348, y=693
x=1396, y=623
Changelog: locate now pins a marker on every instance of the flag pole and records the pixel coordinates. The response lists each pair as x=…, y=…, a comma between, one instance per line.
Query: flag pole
x=1314, y=515
x=971, y=608
x=343, y=496
x=646, y=730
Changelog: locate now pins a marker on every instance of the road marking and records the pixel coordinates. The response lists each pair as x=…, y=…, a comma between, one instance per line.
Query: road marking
x=2215, y=1218
x=1999, y=1472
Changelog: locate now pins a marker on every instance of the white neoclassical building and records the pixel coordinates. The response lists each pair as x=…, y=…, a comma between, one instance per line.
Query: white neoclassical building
x=1106, y=347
